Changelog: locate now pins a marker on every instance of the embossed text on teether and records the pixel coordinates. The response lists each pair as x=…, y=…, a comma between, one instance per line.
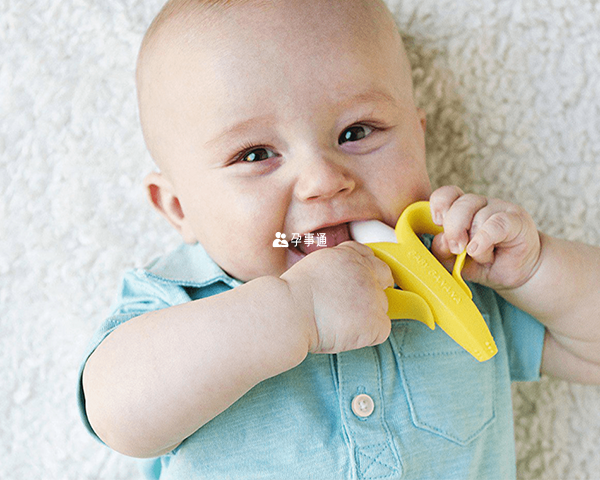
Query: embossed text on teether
x=436, y=276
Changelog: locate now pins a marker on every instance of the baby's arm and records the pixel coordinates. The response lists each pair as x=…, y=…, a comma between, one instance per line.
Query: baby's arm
x=159, y=377
x=556, y=281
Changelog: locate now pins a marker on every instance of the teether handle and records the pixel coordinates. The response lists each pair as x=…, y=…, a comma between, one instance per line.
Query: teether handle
x=372, y=231
x=459, y=263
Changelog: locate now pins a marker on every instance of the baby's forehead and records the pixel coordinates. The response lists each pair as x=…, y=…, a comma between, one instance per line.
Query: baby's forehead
x=194, y=30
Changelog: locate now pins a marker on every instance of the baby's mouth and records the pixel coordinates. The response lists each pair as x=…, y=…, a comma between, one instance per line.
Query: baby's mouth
x=334, y=235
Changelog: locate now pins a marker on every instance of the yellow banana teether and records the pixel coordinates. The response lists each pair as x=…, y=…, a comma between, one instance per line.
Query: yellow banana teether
x=429, y=293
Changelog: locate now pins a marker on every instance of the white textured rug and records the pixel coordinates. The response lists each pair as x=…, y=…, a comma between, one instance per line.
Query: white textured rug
x=512, y=90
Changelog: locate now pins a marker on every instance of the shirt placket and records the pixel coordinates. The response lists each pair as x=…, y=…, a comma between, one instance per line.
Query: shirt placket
x=363, y=413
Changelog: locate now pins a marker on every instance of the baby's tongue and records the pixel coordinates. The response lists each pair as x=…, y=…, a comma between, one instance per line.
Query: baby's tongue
x=333, y=236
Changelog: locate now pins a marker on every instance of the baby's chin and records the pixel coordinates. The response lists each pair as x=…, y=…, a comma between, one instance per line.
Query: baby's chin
x=266, y=268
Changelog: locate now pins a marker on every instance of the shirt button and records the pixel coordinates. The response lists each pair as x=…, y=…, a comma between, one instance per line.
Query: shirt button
x=363, y=405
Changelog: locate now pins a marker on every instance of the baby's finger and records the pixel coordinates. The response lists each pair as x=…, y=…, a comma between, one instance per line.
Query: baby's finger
x=493, y=206
x=459, y=219
x=439, y=248
x=380, y=269
x=441, y=200
x=499, y=228
x=383, y=273
x=358, y=247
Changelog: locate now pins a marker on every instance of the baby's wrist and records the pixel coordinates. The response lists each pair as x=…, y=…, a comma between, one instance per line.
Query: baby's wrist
x=301, y=305
x=525, y=287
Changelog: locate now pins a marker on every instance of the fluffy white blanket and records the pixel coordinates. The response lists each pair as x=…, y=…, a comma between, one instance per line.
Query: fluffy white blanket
x=511, y=88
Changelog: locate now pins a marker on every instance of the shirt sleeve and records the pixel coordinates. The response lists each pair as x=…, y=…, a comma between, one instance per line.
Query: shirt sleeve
x=524, y=341
x=140, y=294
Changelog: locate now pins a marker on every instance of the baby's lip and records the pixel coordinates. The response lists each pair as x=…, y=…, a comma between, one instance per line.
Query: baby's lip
x=334, y=235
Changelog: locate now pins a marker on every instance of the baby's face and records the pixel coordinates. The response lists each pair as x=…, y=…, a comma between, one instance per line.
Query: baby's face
x=290, y=119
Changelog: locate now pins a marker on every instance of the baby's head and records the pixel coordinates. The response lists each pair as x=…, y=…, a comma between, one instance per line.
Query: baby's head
x=266, y=116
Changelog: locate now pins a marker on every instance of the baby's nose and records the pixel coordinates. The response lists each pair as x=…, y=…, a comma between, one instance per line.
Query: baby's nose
x=322, y=178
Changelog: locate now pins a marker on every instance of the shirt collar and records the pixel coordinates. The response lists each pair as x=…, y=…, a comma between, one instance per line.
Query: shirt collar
x=189, y=266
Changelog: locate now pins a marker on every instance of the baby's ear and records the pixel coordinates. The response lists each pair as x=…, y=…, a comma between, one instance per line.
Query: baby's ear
x=162, y=197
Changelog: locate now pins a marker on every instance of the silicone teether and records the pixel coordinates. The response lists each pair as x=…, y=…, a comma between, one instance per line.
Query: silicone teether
x=429, y=293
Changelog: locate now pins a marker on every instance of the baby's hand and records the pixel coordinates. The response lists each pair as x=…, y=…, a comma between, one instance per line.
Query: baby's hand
x=501, y=238
x=339, y=293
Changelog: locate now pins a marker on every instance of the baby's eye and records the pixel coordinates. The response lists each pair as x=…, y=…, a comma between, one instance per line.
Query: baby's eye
x=354, y=133
x=257, y=155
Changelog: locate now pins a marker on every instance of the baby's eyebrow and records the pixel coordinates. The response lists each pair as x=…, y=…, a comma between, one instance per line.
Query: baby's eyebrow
x=369, y=96
x=237, y=128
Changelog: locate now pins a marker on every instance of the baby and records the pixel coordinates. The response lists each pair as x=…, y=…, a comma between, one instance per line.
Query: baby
x=229, y=358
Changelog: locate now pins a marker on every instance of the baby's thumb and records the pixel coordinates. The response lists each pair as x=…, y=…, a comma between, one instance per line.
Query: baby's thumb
x=441, y=251
x=383, y=273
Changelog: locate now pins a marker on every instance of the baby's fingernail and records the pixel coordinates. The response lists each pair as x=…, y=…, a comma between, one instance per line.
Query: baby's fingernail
x=437, y=218
x=472, y=248
x=454, y=247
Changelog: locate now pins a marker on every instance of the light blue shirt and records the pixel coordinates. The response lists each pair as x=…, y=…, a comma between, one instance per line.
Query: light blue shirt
x=434, y=412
